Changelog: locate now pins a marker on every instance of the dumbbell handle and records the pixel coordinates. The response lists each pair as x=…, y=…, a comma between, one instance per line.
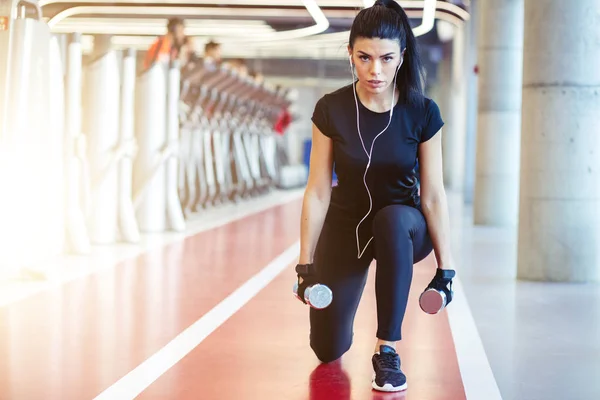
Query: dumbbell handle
x=317, y=296
x=438, y=293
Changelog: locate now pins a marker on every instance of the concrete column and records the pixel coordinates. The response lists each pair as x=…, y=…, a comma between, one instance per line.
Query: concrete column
x=471, y=94
x=500, y=60
x=444, y=100
x=301, y=129
x=559, y=221
x=455, y=133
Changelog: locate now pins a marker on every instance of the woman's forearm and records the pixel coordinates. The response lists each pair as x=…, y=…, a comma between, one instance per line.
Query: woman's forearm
x=314, y=210
x=438, y=224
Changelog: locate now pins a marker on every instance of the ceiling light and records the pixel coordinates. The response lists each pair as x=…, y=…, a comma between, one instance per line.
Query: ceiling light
x=330, y=45
x=321, y=21
x=445, y=31
x=156, y=27
x=428, y=20
x=352, y=4
x=276, y=3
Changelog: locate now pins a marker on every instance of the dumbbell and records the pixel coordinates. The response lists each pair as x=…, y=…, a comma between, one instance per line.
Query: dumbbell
x=438, y=293
x=317, y=296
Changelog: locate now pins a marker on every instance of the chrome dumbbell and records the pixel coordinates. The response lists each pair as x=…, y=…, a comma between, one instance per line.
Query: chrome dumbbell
x=438, y=293
x=317, y=296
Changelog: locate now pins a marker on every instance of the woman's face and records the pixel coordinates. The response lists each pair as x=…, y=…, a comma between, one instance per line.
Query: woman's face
x=376, y=62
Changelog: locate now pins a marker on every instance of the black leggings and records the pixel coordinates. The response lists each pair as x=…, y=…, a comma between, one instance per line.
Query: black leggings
x=400, y=240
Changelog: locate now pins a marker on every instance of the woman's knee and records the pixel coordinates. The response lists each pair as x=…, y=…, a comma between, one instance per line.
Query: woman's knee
x=329, y=352
x=399, y=228
x=397, y=218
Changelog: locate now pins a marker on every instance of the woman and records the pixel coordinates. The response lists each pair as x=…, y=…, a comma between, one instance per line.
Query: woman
x=376, y=210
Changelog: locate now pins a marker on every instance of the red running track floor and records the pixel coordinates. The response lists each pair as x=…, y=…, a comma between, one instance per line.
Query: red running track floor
x=262, y=352
x=77, y=340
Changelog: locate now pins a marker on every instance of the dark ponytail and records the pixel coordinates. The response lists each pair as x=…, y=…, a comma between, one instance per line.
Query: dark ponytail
x=386, y=19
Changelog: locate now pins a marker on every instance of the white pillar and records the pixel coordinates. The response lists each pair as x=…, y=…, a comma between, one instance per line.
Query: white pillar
x=444, y=99
x=500, y=54
x=455, y=132
x=559, y=221
x=471, y=101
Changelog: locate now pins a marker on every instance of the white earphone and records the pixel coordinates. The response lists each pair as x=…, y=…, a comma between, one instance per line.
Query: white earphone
x=368, y=153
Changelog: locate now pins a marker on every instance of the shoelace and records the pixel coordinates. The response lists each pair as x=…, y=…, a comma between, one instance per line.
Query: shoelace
x=389, y=361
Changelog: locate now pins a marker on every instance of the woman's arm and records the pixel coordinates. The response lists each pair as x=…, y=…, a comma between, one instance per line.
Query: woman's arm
x=433, y=198
x=317, y=194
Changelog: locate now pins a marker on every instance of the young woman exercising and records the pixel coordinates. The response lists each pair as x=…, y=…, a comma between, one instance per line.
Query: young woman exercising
x=374, y=130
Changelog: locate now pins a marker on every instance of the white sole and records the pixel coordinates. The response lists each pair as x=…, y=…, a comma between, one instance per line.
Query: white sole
x=388, y=387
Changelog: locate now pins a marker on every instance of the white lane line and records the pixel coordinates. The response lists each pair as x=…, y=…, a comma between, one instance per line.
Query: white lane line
x=478, y=378
x=67, y=268
x=136, y=381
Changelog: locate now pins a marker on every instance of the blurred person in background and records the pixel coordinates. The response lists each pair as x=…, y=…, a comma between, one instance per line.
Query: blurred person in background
x=212, y=52
x=168, y=47
x=239, y=66
x=258, y=77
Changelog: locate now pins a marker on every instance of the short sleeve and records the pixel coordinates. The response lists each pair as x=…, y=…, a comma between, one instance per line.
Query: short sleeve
x=321, y=116
x=433, y=121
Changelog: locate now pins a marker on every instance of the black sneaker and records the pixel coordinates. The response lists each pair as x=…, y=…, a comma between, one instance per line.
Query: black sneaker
x=387, y=376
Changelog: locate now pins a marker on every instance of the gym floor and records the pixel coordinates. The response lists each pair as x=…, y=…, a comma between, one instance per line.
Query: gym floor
x=209, y=314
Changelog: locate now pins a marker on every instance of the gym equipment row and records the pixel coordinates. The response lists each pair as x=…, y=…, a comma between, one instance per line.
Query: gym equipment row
x=227, y=131
x=96, y=152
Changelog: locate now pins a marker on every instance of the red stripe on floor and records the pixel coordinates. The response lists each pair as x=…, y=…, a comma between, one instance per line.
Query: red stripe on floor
x=262, y=352
x=75, y=341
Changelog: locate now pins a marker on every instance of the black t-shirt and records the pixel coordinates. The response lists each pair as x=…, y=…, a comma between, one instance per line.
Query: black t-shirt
x=391, y=177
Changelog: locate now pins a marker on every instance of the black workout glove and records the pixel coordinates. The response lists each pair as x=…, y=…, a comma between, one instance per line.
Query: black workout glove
x=309, y=277
x=443, y=281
